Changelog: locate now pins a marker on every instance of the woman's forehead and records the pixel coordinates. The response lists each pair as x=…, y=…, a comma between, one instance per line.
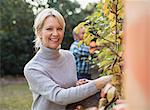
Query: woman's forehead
x=51, y=21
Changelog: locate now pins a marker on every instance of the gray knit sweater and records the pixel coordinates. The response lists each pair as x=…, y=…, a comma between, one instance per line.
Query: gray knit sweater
x=51, y=76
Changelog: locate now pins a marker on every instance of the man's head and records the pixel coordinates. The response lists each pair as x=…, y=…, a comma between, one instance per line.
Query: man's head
x=78, y=32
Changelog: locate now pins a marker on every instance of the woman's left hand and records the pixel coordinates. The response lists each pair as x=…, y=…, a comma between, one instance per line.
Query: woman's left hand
x=81, y=81
x=79, y=107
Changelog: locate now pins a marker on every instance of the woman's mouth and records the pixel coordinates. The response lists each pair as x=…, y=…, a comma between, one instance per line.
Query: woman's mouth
x=54, y=39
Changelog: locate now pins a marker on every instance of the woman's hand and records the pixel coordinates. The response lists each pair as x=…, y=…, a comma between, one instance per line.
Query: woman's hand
x=105, y=90
x=102, y=81
x=80, y=107
x=81, y=81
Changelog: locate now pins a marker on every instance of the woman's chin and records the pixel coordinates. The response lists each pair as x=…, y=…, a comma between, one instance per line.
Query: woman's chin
x=54, y=46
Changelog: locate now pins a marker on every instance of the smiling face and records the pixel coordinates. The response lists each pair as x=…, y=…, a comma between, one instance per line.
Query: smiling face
x=52, y=33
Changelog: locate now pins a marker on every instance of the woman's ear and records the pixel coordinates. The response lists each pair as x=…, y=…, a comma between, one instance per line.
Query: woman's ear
x=39, y=34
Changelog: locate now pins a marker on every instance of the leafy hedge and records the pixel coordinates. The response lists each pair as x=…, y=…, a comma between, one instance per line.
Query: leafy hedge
x=104, y=33
x=16, y=36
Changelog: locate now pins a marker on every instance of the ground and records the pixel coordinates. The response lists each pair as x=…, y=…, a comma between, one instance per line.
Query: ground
x=14, y=94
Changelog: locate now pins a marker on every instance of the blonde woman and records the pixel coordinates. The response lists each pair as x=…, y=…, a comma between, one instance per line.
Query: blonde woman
x=51, y=73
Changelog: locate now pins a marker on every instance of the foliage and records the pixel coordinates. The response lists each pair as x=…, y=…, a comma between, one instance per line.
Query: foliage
x=16, y=36
x=105, y=28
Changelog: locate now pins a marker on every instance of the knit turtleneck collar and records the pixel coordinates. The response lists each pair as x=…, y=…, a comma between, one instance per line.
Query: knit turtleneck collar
x=49, y=53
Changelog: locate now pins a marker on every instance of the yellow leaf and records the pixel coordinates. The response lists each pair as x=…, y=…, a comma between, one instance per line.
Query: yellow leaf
x=109, y=72
x=102, y=102
x=85, y=35
x=111, y=94
x=98, y=42
x=121, y=34
x=105, y=6
x=110, y=37
x=113, y=80
x=105, y=62
x=97, y=14
x=114, y=1
x=116, y=68
x=112, y=24
x=105, y=1
x=119, y=41
x=102, y=41
x=106, y=12
x=119, y=6
x=88, y=39
x=113, y=7
x=111, y=16
x=99, y=32
x=121, y=14
x=120, y=1
x=99, y=5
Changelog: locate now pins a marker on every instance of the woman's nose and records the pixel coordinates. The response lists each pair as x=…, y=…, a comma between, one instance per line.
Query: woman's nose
x=55, y=32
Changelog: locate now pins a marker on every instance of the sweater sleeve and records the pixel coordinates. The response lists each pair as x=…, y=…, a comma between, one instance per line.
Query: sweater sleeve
x=46, y=87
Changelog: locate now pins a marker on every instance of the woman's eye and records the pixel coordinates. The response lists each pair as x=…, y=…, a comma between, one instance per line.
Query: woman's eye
x=59, y=29
x=49, y=29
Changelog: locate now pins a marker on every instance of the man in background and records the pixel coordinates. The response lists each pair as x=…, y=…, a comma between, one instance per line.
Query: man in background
x=81, y=53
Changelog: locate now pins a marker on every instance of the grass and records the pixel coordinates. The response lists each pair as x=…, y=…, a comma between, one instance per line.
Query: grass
x=15, y=96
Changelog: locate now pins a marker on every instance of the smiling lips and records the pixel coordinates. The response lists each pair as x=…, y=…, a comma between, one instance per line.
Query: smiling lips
x=54, y=39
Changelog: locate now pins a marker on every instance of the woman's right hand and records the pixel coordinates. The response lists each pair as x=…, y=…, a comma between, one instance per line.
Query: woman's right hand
x=102, y=81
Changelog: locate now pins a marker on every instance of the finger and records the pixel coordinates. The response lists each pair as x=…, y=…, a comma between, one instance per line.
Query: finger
x=105, y=90
x=79, y=107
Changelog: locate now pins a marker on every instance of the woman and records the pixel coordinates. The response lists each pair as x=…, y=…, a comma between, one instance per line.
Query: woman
x=51, y=73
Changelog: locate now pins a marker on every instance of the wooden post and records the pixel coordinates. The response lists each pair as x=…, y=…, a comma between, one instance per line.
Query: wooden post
x=137, y=54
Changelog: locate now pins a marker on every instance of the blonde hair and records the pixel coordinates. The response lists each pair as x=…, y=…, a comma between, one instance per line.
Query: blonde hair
x=39, y=21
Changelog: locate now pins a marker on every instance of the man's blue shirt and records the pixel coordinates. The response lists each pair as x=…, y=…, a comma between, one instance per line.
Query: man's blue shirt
x=81, y=55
